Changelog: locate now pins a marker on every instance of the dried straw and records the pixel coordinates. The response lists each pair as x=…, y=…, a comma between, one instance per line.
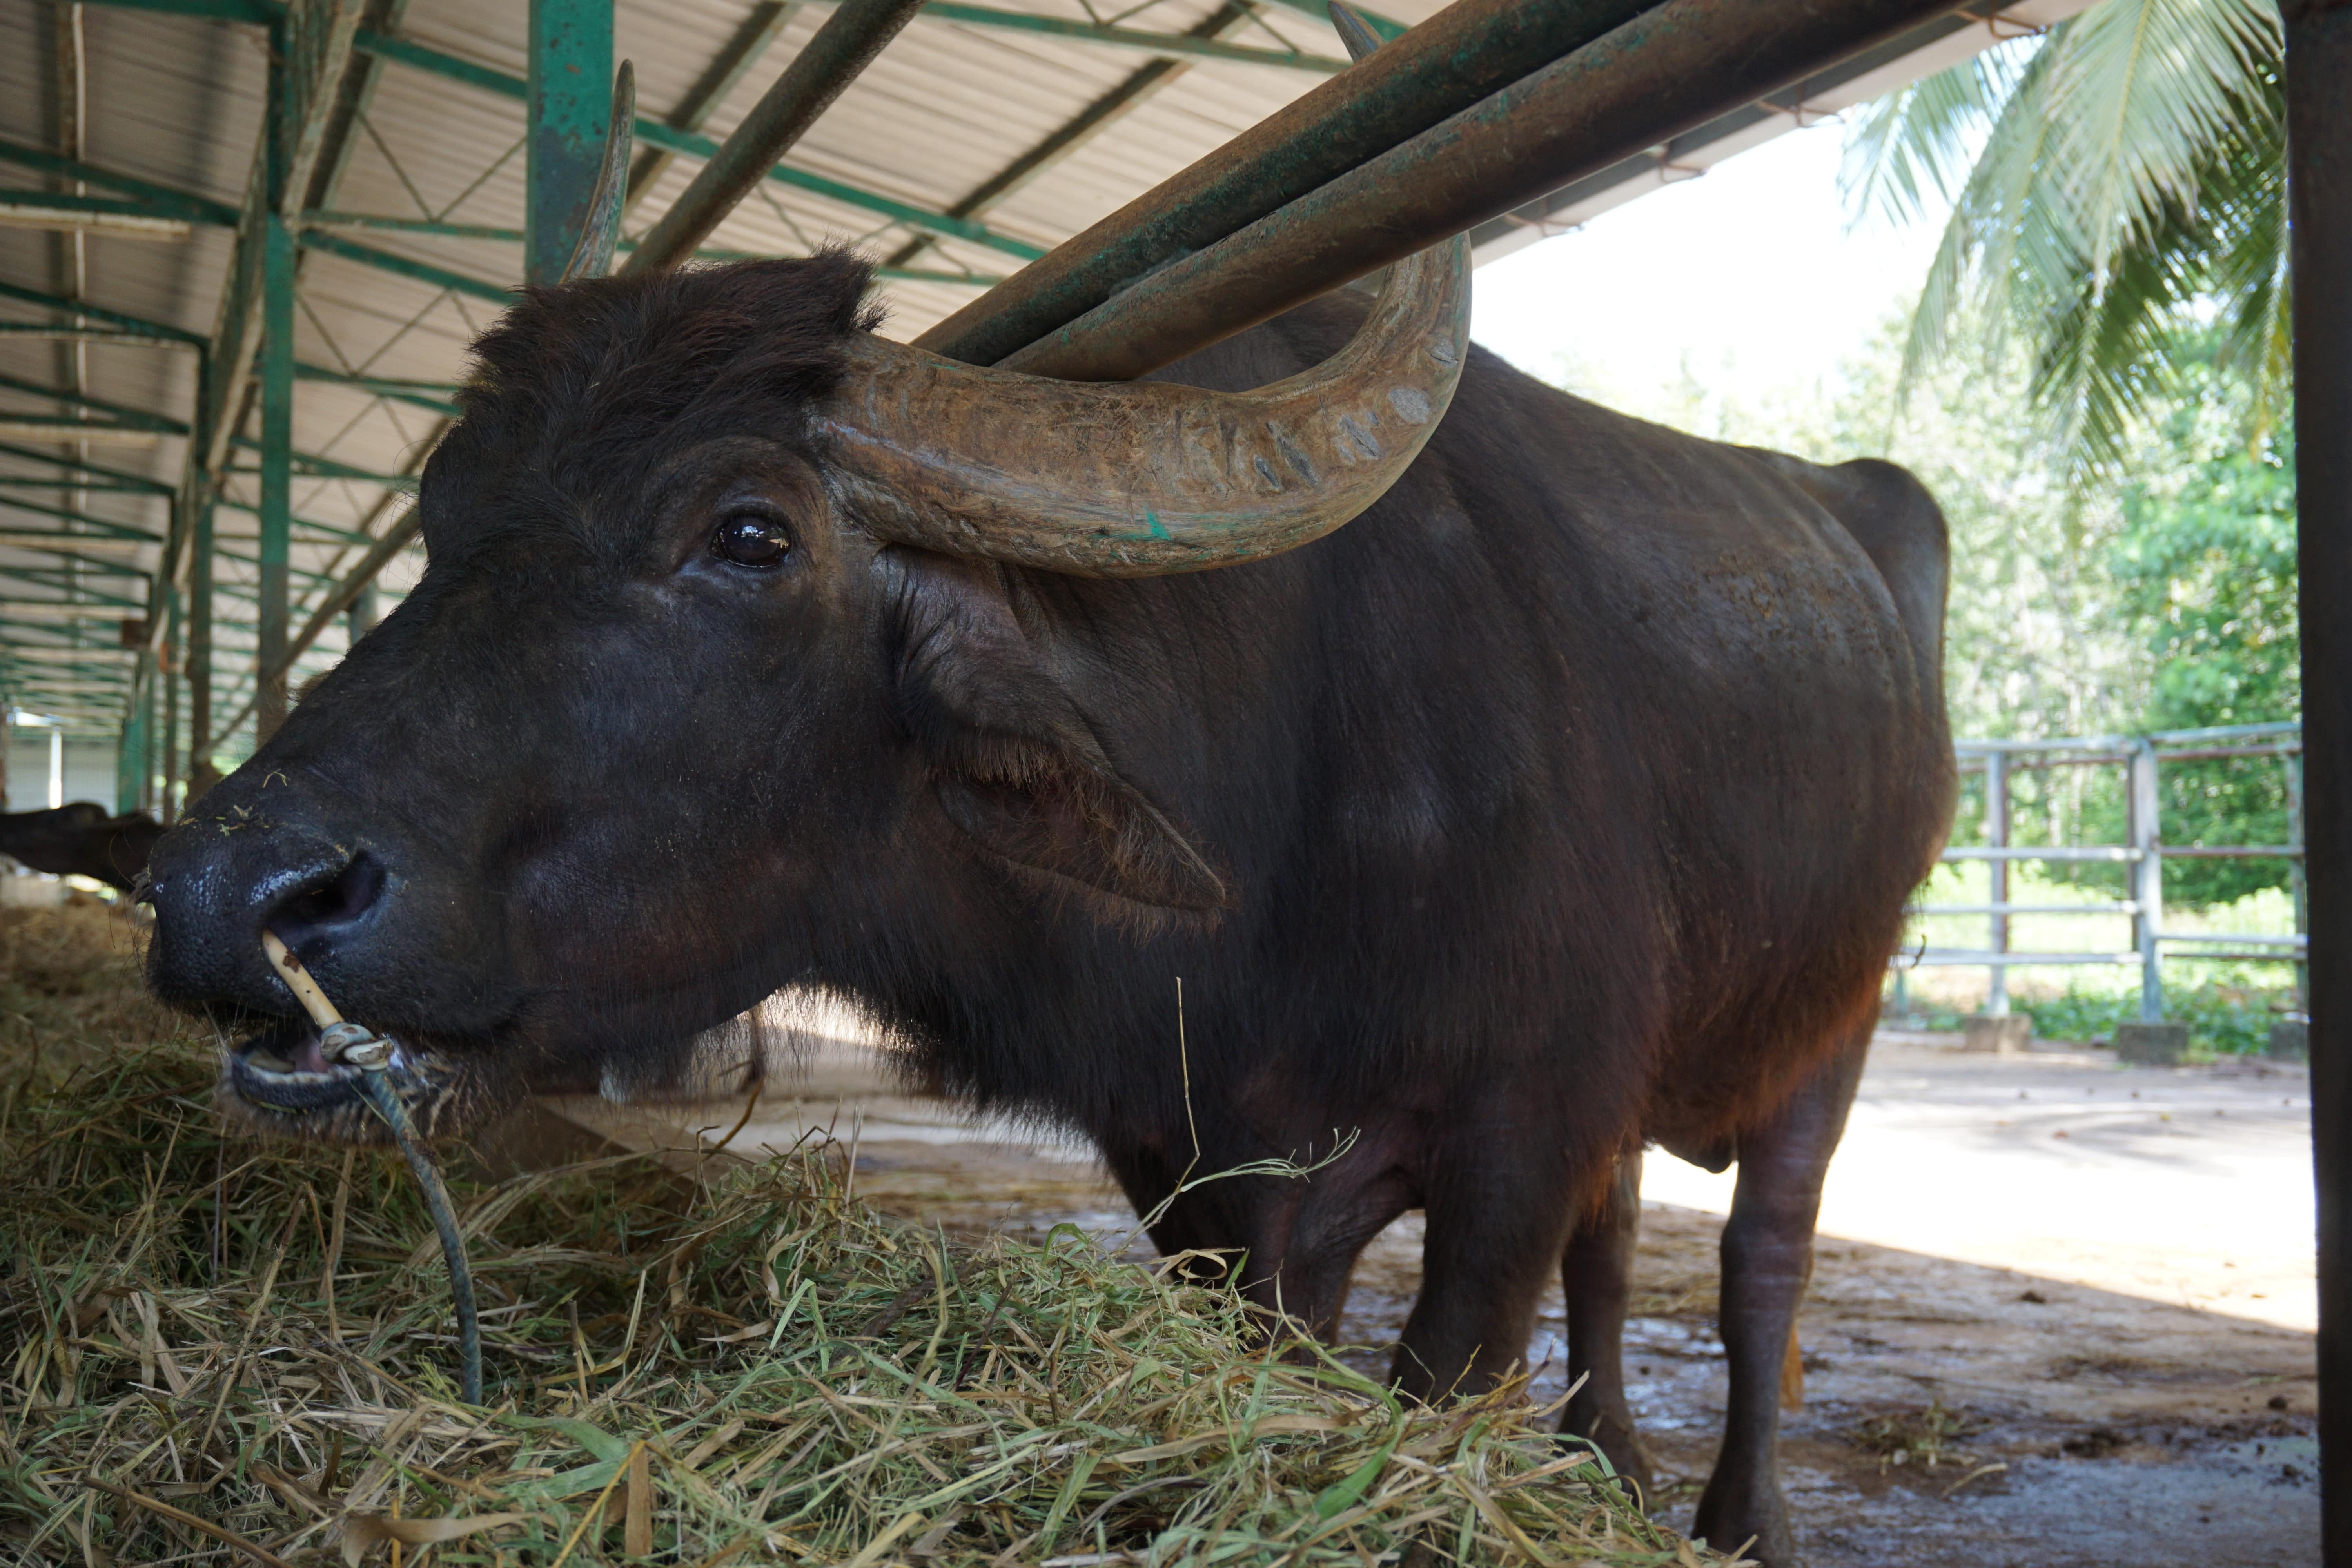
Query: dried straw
x=225, y=1352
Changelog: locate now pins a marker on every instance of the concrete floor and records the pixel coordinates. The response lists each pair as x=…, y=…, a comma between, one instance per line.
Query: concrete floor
x=2061, y=1316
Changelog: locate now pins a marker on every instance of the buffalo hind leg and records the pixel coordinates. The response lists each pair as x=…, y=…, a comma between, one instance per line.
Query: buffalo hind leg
x=1596, y=1275
x=1767, y=1257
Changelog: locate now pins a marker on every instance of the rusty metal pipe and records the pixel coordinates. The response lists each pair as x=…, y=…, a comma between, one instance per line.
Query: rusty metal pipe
x=843, y=47
x=1667, y=71
x=1448, y=63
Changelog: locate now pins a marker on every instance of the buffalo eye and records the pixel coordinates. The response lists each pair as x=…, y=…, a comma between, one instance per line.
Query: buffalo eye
x=751, y=539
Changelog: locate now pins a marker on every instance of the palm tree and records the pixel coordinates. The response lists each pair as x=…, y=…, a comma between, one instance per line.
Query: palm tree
x=2114, y=184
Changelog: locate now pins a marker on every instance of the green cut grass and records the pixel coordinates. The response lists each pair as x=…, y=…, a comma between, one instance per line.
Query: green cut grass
x=220, y=1350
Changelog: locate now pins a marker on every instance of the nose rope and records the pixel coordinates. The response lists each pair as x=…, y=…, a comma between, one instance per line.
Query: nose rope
x=356, y=1045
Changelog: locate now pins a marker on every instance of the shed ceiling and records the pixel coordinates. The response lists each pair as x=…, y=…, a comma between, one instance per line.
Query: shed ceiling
x=983, y=135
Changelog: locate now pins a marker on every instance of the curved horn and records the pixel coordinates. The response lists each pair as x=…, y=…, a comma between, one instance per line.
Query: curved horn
x=1138, y=478
x=600, y=231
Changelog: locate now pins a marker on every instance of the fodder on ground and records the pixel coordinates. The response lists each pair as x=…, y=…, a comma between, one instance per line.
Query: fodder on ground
x=220, y=1350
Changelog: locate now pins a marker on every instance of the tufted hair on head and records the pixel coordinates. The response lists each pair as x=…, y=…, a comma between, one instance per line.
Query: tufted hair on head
x=600, y=364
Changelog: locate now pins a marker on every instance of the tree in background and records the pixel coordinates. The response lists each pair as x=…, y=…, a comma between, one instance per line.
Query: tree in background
x=2115, y=186
x=2204, y=564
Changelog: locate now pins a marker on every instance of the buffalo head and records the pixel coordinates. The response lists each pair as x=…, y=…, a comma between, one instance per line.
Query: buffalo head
x=718, y=672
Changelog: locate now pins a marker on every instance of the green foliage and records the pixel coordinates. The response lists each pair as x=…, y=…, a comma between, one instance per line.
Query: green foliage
x=2113, y=184
x=2205, y=561
x=2223, y=1020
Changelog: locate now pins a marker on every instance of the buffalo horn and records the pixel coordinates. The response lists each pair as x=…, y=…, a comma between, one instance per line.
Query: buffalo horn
x=1141, y=479
x=600, y=230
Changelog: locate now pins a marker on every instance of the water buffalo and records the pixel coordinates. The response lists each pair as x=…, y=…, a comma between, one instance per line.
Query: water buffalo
x=1566, y=800
x=81, y=840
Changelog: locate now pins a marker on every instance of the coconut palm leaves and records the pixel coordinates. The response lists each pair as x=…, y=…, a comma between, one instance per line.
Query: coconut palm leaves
x=2112, y=183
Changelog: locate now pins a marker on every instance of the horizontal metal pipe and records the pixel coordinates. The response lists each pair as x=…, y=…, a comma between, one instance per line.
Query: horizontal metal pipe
x=2212, y=937
x=2065, y=743
x=2090, y=852
x=2020, y=763
x=1662, y=73
x=131, y=222
x=1940, y=958
x=2239, y=957
x=2117, y=907
x=829, y=62
x=2230, y=851
x=1446, y=64
x=2227, y=733
x=68, y=543
x=2209, y=753
x=67, y=430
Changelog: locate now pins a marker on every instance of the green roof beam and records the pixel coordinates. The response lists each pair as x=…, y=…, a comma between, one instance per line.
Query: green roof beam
x=125, y=418
x=1164, y=45
x=140, y=481
x=111, y=528
x=651, y=132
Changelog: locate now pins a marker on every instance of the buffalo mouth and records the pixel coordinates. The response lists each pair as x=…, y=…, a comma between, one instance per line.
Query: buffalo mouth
x=279, y=1083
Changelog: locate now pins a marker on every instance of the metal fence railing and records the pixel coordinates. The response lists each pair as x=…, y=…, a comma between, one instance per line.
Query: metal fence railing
x=2140, y=757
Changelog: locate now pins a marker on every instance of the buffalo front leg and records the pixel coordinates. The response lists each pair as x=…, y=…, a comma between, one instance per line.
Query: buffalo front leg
x=1596, y=1275
x=1767, y=1257
x=1497, y=1224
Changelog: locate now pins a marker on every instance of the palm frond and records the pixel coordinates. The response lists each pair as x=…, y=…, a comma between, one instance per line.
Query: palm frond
x=2130, y=183
x=1982, y=229
x=1923, y=139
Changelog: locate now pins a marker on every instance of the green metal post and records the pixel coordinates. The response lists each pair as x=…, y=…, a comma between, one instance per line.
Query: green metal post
x=150, y=733
x=277, y=467
x=569, y=104
x=201, y=773
x=130, y=756
x=166, y=675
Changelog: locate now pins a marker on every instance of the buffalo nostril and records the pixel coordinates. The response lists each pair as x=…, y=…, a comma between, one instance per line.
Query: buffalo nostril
x=337, y=900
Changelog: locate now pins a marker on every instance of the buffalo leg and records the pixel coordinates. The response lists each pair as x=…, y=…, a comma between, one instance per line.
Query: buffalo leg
x=1497, y=1226
x=1767, y=1257
x=1299, y=1236
x=1596, y=1275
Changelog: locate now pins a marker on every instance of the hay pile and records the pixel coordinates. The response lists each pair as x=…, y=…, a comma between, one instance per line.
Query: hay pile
x=223, y=1352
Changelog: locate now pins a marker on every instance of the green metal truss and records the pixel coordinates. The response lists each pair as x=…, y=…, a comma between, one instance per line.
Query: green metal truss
x=652, y=133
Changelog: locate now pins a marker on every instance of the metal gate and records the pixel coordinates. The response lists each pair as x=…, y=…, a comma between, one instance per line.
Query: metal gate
x=2140, y=757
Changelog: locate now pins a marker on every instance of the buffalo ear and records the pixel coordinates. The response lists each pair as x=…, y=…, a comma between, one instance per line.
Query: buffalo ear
x=1019, y=772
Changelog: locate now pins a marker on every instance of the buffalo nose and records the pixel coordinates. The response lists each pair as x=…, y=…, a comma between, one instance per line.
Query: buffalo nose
x=219, y=884
x=321, y=901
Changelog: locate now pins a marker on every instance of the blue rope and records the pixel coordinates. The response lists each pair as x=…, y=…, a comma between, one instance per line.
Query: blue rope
x=375, y=1083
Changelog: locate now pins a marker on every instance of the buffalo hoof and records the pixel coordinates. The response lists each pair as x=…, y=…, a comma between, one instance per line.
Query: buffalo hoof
x=1615, y=1438
x=1752, y=1519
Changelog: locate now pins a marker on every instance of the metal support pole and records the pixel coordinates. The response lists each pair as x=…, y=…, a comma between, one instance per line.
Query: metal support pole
x=848, y=43
x=57, y=767
x=569, y=103
x=1997, y=836
x=130, y=754
x=2147, y=879
x=202, y=774
x=167, y=676
x=2298, y=890
x=277, y=470
x=2319, y=191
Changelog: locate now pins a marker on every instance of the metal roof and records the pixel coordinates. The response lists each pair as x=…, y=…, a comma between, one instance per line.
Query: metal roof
x=983, y=135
